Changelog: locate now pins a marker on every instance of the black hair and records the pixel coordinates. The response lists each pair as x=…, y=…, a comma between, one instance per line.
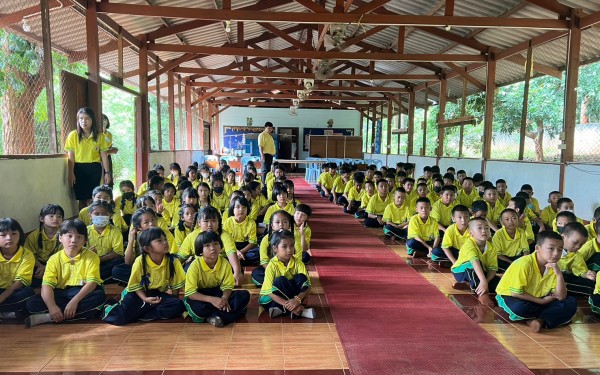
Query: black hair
x=520, y=203
x=175, y=166
x=157, y=167
x=103, y=189
x=305, y=209
x=154, y=182
x=509, y=210
x=90, y=112
x=241, y=200
x=276, y=238
x=437, y=176
x=426, y=168
x=575, y=227
x=526, y=187
x=566, y=214
x=190, y=169
x=76, y=225
x=522, y=194
x=597, y=214
x=435, y=169
x=369, y=182
x=451, y=188
x=136, y=218
x=563, y=200
x=184, y=184
x=49, y=209
x=145, y=239
x=141, y=202
x=547, y=235
x=421, y=184
x=408, y=166
x=467, y=179
x=390, y=175
x=461, y=171
x=268, y=124
x=181, y=225
x=205, y=238
x=10, y=224
x=401, y=174
x=277, y=190
x=332, y=165
x=449, y=176
x=479, y=206
x=101, y=204
x=212, y=191
x=459, y=208
x=190, y=193
x=488, y=187
x=248, y=177
x=372, y=167
x=253, y=185
x=438, y=180
x=450, y=169
x=423, y=200
x=477, y=177
x=168, y=186
x=377, y=174
x=290, y=184
x=344, y=170
x=500, y=181
x=105, y=117
x=209, y=212
x=151, y=173
x=359, y=177
x=381, y=180
x=596, y=225
x=400, y=189
x=132, y=199
x=269, y=233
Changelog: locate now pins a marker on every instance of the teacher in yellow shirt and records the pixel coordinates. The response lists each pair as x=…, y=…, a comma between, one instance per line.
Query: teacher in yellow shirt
x=266, y=146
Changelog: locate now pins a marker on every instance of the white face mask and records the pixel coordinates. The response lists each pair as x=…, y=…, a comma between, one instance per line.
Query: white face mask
x=101, y=221
x=205, y=175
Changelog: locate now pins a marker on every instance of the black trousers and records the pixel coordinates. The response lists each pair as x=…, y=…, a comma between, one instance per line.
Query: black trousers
x=266, y=168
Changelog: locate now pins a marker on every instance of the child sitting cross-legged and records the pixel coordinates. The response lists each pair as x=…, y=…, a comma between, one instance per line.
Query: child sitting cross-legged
x=578, y=278
x=477, y=262
x=510, y=241
x=396, y=216
x=533, y=287
x=209, y=293
x=455, y=236
x=423, y=233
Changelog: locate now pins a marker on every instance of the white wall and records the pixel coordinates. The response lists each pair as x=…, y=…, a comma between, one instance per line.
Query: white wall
x=471, y=166
x=31, y=183
x=581, y=182
x=306, y=118
x=420, y=162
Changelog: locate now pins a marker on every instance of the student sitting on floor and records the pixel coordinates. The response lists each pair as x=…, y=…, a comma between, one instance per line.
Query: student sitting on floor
x=578, y=278
x=510, y=241
x=364, y=200
x=210, y=219
x=591, y=227
x=421, y=191
x=564, y=204
x=16, y=270
x=43, y=242
x=282, y=220
x=286, y=281
x=423, y=234
x=549, y=213
x=302, y=232
x=518, y=204
x=242, y=230
x=434, y=190
x=396, y=216
x=354, y=194
x=325, y=182
x=562, y=219
x=594, y=299
x=153, y=289
x=503, y=195
x=591, y=250
x=468, y=194
x=280, y=196
x=209, y=283
x=535, y=205
x=71, y=288
x=534, y=222
x=377, y=205
x=455, y=236
x=339, y=184
x=490, y=196
x=104, y=239
x=533, y=287
x=442, y=209
x=104, y=193
x=187, y=221
x=477, y=262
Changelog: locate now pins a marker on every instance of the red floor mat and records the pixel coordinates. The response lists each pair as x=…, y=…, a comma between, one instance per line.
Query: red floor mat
x=390, y=319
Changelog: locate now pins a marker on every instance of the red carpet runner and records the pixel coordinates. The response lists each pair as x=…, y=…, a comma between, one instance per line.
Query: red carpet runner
x=389, y=318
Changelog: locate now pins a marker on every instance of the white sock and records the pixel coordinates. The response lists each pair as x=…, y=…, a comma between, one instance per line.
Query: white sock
x=36, y=319
x=8, y=315
x=308, y=313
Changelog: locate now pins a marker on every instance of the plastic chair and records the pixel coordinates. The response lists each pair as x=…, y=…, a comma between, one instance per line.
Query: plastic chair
x=245, y=160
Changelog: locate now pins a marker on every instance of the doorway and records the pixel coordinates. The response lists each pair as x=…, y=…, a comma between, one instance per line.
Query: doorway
x=287, y=142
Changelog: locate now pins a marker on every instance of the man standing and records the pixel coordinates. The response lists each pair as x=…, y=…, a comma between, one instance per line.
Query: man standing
x=266, y=146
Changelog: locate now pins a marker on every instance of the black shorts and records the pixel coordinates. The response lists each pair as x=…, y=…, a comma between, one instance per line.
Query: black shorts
x=87, y=177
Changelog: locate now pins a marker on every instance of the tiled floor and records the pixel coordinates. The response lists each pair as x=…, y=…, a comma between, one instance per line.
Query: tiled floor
x=254, y=344
x=573, y=349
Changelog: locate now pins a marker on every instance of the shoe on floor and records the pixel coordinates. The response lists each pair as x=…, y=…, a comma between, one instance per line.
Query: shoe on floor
x=275, y=312
x=36, y=319
x=215, y=321
x=308, y=313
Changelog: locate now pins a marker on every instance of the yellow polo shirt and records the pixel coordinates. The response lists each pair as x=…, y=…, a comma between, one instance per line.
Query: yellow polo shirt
x=377, y=205
x=274, y=208
x=467, y=199
x=573, y=263
x=307, y=235
x=265, y=140
x=241, y=232
x=548, y=215
x=395, y=214
x=265, y=254
x=49, y=245
x=365, y=198
x=523, y=276
x=470, y=252
x=86, y=150
x=493, y=214
x=354, y=195
x=442, y=213
x=17, y=268
x=510, y=247
x=427, y=231
x=62, y=272
x=110, y=240
x=187, y=246
x=589, y=248
x=275, y=269
x=158, y=275
x=220, y=202
x=453, y=237
x=200, y=276
x=504, y=201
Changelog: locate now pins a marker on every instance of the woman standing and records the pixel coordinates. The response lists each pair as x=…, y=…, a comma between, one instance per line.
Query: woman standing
x=109, y=138
x=87, y=149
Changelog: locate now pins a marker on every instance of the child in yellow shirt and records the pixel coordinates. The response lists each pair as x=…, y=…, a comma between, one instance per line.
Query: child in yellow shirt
x=454, y=237
x=423, y=234
x=549, y=213
x=354, y=194
x=396, y=216
x=510, y=241
x=361, y=213
x=377, y=205
x=578, y=278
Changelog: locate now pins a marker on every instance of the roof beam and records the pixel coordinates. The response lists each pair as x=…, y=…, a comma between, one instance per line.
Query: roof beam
x=285, y=36
x=381, y=56
x=540, y=68
x=247, y=103
x=269, y=87
x=467, y=76
x=553, y=6
x=191, y=25
x=299, y=75
x=312, y=6
x=16, y=17
x=325, y=18
x=294, y=96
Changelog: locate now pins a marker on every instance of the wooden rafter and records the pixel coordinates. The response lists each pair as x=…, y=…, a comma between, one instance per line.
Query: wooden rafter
x=269, y=87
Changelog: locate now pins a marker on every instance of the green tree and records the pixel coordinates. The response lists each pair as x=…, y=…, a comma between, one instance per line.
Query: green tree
x=21, y=81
